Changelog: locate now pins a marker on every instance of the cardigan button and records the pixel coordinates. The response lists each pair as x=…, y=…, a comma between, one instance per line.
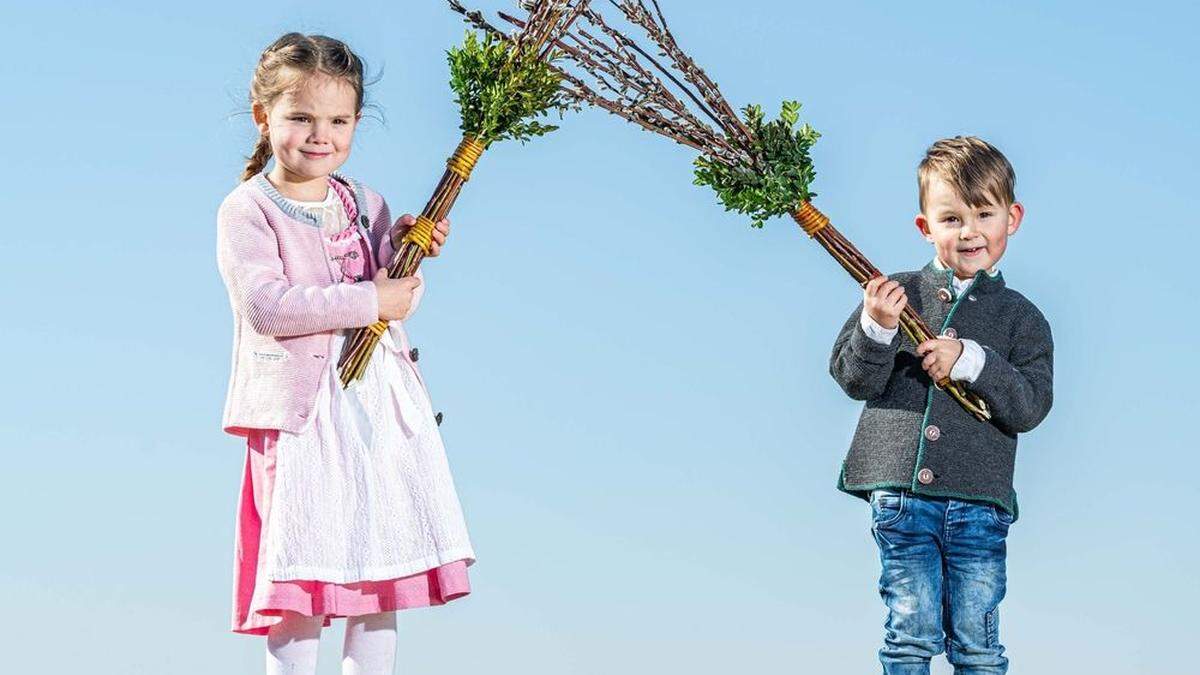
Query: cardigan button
x=925, y=476
x=438, y=418
x=944, y=295
x=950, y=333
x=414, y=354
x=932, y=432
x=365, y=221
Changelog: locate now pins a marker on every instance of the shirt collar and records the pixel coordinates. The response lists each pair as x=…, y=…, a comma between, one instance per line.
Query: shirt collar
x=939, y=275
x=938, y=264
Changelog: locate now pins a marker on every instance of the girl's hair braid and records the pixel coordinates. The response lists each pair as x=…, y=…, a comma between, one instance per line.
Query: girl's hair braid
x=256, y=161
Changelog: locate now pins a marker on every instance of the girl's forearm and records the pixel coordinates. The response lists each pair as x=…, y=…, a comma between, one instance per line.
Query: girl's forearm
x=280, y=310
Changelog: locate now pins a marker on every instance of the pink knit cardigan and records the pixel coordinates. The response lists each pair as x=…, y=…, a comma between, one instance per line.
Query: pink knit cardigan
x=285, y=300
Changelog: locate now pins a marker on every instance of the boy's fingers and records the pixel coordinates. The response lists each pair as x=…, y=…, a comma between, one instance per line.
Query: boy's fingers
x=407, y=219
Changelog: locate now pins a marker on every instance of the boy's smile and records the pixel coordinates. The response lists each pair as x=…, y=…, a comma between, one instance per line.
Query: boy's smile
x=966, y=239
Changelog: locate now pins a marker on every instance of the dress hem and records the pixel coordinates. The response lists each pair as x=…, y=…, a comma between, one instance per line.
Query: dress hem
x=431, y=588
x=341, y=576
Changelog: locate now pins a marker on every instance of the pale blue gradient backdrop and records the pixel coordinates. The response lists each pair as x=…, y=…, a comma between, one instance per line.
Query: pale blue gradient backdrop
x=638, y=412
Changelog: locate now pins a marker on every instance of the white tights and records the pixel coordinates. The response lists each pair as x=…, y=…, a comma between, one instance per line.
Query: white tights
x=369, y=648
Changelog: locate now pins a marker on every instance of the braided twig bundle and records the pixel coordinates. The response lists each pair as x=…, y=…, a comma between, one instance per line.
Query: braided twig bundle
x=756, y=166
x=503, y=83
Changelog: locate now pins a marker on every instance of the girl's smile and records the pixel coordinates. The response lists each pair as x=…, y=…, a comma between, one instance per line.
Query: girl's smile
x=311, y=130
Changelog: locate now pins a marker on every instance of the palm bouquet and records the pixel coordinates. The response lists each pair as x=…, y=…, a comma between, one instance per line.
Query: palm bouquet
x=503, y=84
x=757, y=166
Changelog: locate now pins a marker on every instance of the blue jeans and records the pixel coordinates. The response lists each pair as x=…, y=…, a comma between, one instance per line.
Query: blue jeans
x=943, y=579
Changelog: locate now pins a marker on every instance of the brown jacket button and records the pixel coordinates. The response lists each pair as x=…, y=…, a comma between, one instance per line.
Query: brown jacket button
x=925, y=476
x=950, y=333
x=932, y=432
x=944, y=295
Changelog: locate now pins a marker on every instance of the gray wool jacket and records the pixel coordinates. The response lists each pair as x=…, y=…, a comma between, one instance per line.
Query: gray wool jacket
x=914, y=436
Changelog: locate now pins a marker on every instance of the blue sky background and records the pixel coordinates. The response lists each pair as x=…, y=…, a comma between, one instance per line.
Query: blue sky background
x=638, y=411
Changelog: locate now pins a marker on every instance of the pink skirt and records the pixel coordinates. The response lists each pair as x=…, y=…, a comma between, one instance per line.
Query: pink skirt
x=436, y=586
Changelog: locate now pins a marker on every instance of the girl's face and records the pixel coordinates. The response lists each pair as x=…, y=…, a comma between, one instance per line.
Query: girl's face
x=310, y=128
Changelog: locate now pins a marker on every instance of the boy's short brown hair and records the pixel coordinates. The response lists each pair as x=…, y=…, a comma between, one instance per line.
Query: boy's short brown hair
x=978, y=172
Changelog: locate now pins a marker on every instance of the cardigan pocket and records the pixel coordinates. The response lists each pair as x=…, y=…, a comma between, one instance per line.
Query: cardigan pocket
x=269, y=356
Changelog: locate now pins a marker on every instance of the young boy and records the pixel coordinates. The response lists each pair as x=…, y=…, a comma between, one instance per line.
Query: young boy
x=939, y=480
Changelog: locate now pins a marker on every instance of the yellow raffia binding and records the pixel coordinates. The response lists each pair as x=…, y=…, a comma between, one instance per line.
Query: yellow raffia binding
x=465, y=156
x=378, y=328
x=421, y=233
x=811, y=220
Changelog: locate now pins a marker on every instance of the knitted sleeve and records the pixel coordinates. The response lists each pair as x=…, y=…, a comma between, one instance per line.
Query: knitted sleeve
x=860, y=365
x=1019, y=389
x=251, y=264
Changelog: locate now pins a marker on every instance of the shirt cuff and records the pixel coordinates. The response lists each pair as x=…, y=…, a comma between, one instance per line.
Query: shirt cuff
x=969, y=363
x=876, y=332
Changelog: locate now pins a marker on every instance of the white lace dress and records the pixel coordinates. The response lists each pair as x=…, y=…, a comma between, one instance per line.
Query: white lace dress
x=364, y=491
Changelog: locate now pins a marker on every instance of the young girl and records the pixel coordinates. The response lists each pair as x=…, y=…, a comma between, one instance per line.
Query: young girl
x=347, y=504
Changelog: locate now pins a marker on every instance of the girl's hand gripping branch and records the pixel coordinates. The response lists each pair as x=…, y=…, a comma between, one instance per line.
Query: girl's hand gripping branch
x=395, y=295
x=440, y=231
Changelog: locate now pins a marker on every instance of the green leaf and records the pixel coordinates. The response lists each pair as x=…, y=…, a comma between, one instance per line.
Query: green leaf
x=778, y=181
x=500, y=92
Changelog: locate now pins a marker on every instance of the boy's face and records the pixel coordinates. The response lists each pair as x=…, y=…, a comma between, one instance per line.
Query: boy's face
x=966, y=239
